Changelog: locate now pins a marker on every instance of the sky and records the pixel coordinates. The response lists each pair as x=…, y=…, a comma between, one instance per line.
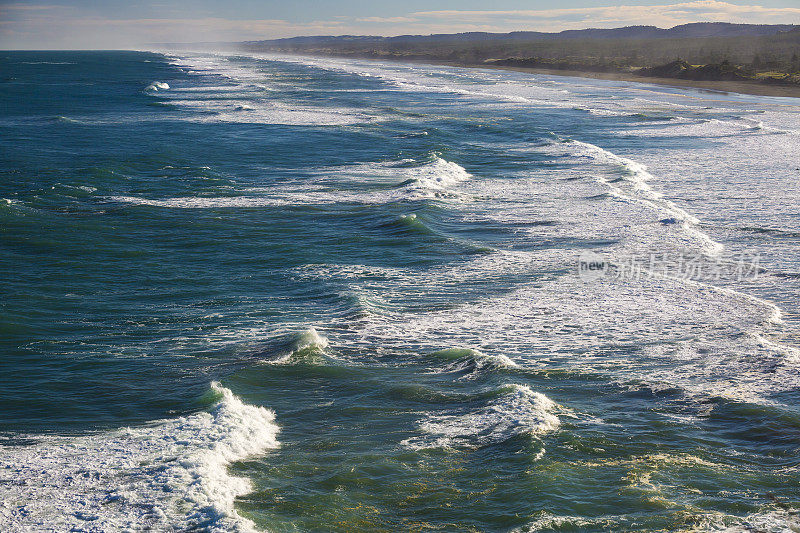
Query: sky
x=114, y=24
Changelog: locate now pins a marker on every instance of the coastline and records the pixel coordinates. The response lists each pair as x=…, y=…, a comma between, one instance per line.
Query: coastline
x=723, y=86
x=720, y=86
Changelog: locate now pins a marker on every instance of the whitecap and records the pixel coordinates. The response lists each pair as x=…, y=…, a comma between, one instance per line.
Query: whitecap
x=517, y=410
x=307, y=346
x=471, y=362
x=169, y=475
x=435, y=178
x=157, y=86
x=439, y=175
x=637, y=176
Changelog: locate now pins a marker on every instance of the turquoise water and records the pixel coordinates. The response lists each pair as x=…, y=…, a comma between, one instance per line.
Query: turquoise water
x=302, y=294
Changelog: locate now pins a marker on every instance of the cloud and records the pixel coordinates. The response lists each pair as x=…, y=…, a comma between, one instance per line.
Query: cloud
x=44, y=27
x=11, y=12
x=387, y=20
x=98, y=32
x=666, y=15
x=27, y=7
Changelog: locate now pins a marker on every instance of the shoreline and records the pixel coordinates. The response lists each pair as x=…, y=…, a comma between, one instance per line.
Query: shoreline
x=722, y=86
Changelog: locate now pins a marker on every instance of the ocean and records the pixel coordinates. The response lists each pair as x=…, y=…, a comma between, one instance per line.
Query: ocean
x=276, y=293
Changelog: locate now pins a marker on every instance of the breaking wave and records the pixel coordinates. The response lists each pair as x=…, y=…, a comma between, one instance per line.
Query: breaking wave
x=471, y=362
x=515, y=410
x=305, y=347
x=632, y=185
x=438, y=175
x=157, y=86
x=171, y=475
x=413, y=180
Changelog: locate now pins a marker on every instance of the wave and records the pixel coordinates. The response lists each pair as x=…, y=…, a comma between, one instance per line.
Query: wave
x=79, y=191
x=755, y=125
x=427, y=176
x=170, y=475
x=516, y=410
x=438, y=175
x=244, y=92
x=692, y=335
x=412, y=80
x=305, y=347
x=546, y=521
x=200, y=202
x=702, y=127
x=275, y=113
x=778, y=520
x=636, y=176
x=471, y=362
x=431, y=177
x=67, y=120
x=410, y=223
x=772, y=521
x=216, y=89
x=651, y=117
x=157, y=86
x=776, y=232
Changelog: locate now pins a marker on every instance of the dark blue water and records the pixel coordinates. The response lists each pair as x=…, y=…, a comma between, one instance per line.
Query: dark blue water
x=296, y=294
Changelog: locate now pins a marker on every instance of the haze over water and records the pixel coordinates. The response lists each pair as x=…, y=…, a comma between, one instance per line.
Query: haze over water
x=293, y=294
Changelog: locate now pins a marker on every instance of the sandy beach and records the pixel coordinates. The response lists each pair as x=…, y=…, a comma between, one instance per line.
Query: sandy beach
x=722, y=86
x=743, y=87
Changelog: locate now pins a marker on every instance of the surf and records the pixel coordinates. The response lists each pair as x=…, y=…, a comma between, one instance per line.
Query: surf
x=164, y=475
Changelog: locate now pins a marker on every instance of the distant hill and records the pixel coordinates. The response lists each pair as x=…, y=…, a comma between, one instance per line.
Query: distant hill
x=703, y=51
x=693, y=30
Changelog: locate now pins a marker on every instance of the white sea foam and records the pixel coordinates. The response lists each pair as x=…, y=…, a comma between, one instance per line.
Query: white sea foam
x=470, y=361
x=171, y=475
x=83, y=188
x=215, y=90
x=637, y=176
x=703, y=339
x=701, y=127
x=431, y=173
x=517, y=410
x=752, y=125
x=244, y=100
x=547, y=521
x=434, y=178
x=443, y=80
x=196, y=202
x=277, y=113
x=157, y=86
x=438, y=175
x=771, y=521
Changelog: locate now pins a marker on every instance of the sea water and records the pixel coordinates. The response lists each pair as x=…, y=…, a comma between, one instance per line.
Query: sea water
x=263, y=292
